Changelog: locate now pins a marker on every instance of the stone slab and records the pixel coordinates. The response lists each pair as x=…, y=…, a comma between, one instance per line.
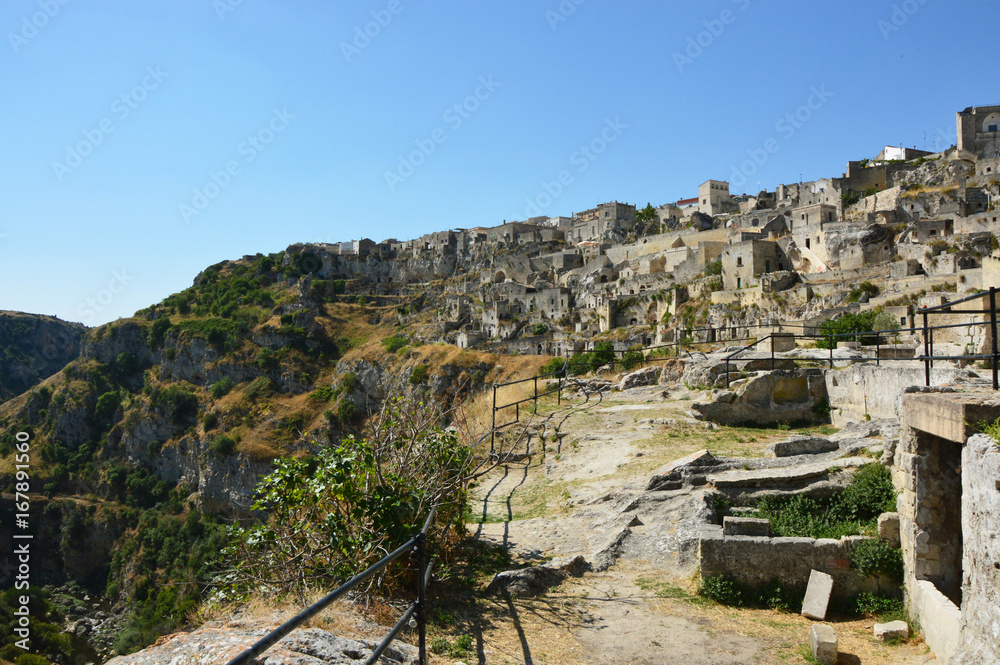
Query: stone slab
x=888, y=528
x=802, y=445
x=894, y=630
x=668, y=472
x=823, y=642
x=782, y=475
x=746, y=526
x=817, y=595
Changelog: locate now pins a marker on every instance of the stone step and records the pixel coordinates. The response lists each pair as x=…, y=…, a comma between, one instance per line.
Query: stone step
x=783, y=475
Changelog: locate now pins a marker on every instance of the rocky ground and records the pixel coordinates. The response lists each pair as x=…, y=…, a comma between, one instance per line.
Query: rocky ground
x=583, y=491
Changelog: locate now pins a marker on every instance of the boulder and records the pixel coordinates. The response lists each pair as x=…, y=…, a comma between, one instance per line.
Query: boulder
x=746, y=526
x=894, y=630
x=647, y=376
x=888, y=528
x=669, y=475
x=802, y=445
x=823, y=643
x=530, y=581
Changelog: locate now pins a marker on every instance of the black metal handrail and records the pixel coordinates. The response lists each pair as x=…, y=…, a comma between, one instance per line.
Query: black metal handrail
x=417, y=545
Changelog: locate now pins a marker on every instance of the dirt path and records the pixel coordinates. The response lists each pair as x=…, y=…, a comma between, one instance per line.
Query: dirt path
x=568, y=496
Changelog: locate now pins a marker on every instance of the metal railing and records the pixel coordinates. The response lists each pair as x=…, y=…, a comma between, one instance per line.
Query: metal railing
x=415, y=615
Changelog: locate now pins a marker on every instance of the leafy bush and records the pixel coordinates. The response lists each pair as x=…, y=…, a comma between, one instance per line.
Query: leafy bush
x=180, y=405
x=222, y=387
x=347, y=411
x=847, y=513
x=632, y=359
x=848, y=323
x=589, y=361
x=395, y=343
x=714, y=268
x=158, y=332
x=539, y=329
x=210, y=421
x=876, y=606
x=553, y=366
x=723, y=589
x=877, y=557
x=861, y=289
x=419, y=374
x=222, y=445
x=365, y=497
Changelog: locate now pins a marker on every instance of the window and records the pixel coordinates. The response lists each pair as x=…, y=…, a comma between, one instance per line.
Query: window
x=767, y=265
x=933, y=232
x=992, y=128
x=739, y=261
x=807, y=243
x=739, y=283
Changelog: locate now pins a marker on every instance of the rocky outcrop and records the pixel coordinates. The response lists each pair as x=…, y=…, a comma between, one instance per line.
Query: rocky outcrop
x=772, y=398
x=218, y=645
x=33, y=347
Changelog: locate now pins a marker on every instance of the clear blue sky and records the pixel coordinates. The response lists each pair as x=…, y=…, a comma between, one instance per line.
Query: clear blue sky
x=309, y=118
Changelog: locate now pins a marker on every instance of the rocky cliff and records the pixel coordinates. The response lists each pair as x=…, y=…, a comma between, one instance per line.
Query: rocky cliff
x=33, y=347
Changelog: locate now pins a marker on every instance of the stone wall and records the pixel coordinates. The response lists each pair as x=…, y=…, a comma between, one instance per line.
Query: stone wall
x=949, y=513
x=980, y=552
x=756, y=561
x=877, y=390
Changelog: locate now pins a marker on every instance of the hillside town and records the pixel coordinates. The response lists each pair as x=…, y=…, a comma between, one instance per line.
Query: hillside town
x=906, y=225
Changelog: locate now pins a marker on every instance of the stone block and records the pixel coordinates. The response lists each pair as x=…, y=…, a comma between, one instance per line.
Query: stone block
x=746, y=526
x=671, y=473
x=802, y=445
x=894, y=630
x=888, y=528
x=817, y=595
x=823, y=642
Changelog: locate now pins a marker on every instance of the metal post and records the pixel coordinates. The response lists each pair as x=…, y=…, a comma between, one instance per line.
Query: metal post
x=421, y=550
x=831, y=351
x=878, y=349
x=727, y=371
x=993, y=330
x=493, y=429
x=931, y=338
x=536, y=394
x=927, y=354
x=772, y=352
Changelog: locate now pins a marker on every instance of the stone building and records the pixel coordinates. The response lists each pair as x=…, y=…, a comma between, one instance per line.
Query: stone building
x=744, y=262
x=979, y=130
x=713, y=197
x=597, y=223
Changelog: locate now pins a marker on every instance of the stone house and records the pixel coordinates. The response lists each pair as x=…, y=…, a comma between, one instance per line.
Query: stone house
x=979, y=130
x=744, y=262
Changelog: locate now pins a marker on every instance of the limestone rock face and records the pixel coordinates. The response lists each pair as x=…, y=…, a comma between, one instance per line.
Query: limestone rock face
x=648, y=376
x=217, y=646
x=35, y=347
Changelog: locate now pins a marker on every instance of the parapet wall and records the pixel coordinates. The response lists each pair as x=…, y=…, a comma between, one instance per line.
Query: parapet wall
x=756, y=561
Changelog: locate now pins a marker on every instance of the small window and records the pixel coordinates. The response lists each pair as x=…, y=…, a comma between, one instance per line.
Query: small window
x=902, y=320
x=807, y=243
x=992, y=128
x=767, y=265
x=933, y=232
x=739, y=261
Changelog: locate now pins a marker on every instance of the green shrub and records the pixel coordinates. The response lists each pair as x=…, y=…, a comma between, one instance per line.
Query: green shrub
x=222, y=387
x=539, y=329
x=714, y=268
x=877, y=557
x=347, y=411
x=553, y=366
x=419, y=374
x=848, y=323
x=395, y=343
x=861, y=289
x=222, y=445
x=632, y=359
x=323, y=394
x=158, y=332
x=876, y=606
x=210, y=420
x=180, y=405
x=723, y=589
